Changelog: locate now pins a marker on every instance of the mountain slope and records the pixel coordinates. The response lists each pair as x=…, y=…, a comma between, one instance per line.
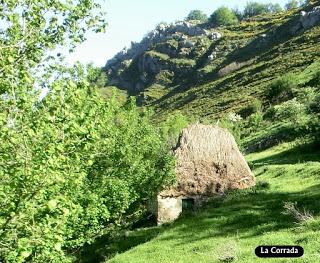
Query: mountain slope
x=207, y=77
x=229, y=229
x=260, y=79
x=210, y=74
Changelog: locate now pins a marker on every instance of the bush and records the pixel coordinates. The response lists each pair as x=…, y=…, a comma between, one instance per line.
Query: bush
x=274, y=8
x=172, y=126
x=73, y=167
x=314, y=106
x=292, y=4
x=291, y=109
x=233, y=122
x=254, y=9
x=262, y=185
x=255, y=120
x=197, y=15
x=223, y=16
x=281, y=89
x=270, y=113
x=253, y=107
x=302, y=216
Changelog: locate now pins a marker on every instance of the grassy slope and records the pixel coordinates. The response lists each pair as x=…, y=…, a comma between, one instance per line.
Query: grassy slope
x=246, y=219
x=211, y=95
x=241, y=221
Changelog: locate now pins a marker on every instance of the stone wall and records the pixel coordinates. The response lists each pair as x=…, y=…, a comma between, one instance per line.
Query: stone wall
x=169, y=209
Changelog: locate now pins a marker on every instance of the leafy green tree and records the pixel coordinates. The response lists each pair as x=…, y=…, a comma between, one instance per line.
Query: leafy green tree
x=281, y=89
x=255, y=8
x=292, y=4
x=172, y=126
x=53, y=197
x=238, y=13
x=223, y=16
x=197, y=15
x=274, y=8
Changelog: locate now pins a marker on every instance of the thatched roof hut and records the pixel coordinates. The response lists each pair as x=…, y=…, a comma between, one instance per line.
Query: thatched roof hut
x=208, y=162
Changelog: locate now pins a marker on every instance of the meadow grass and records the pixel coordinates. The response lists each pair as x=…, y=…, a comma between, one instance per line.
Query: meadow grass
x=228, y=229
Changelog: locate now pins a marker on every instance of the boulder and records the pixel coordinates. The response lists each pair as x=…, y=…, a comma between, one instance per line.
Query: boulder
x=187, y=44
x=306, y=21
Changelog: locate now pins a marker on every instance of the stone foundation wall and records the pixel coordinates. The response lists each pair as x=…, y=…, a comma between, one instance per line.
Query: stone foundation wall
x=169, y=209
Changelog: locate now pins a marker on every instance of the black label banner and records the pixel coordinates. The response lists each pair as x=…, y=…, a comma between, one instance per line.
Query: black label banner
x=279, y=251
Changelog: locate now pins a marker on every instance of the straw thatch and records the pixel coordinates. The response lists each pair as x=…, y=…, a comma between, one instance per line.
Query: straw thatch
x=208, y=163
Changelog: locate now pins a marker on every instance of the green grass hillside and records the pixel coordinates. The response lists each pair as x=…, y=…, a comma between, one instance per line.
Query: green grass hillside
x=230, y=228
x=263, y=83
x=249, y=59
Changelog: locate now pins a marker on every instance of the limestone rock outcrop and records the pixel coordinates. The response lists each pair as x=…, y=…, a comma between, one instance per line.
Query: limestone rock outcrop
x=307, y=20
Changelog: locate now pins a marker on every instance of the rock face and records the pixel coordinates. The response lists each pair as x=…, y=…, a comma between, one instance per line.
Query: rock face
x=179, y=32
x=307, y=20
x=208, y=163
x=162, y=32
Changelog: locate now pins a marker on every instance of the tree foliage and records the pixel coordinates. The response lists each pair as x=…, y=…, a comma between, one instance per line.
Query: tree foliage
x=197, y=15
x=281, y=89
x=255, y=8
x=292, y=4
x=73, y=166
x=223, y=16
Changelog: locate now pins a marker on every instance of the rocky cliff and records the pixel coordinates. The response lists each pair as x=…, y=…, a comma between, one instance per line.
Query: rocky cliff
x=207, y=72
x=169, y=47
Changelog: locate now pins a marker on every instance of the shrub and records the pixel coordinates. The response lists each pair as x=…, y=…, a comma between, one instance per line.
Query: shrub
x=314, y=106
x=263, y=185
x=291, y=109
x=274, y=8
x=223, y=16
x=197, y=15
x=292, y=4
x=253, y=107
x=172, y=126
x=270, y=113
x=233, y=123
x=254, y=9
x=302, y=216
x=74, y=166
x=238, y=13
x=228, y=252
x=281, y=89
x=255, y=120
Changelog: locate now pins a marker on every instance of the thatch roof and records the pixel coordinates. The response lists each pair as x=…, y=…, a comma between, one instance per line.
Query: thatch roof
x=208, y=162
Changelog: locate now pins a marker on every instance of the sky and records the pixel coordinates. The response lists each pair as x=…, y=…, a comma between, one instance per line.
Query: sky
x=130, y=20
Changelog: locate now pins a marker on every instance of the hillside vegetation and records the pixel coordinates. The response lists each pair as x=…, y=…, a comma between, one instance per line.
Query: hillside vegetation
x=229, y=229
x=209, y=78
x=260, y=79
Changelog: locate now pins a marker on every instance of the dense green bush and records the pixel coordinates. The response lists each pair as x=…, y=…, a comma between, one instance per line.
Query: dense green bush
x=292, y=4
x=290, y=109
x=197, y=15
x=73, y=166
x=281, y=89
x=314, y=105
x=255, y=120
x=172, y=126
x=233, y=122
x=223, y=16
x=253, y=107
x=274, y=8
x=255, y=8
